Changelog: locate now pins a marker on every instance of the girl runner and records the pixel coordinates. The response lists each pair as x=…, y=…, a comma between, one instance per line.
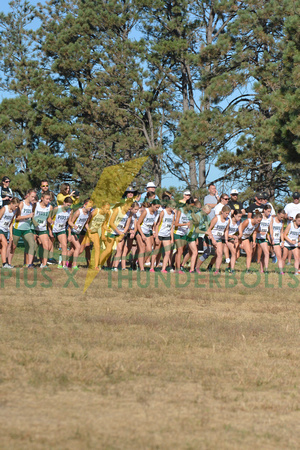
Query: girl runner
x=246, y=230
x=122, y=228
x=263, y=253
x=216, y=233
x=231, y=237
x=97, y=227
x=164, y=236
x=77, y=221
x=181, y=230
x=291, y=241
x=276, y=235
x=145, y=232
x=58, y=220
x=23, y=228
x=131, y=233
x=7, y=214
x=115, y=229
x=40, y=221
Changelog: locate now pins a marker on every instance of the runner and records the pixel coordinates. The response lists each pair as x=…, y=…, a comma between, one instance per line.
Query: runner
x=181, y=230
x=41, y=211
x=262, y=240
x=115, y=229
x=77, y=221
x=129, y=239
x=97, y=227
x=246, y=230
x=231, y=237
x=58, y=220
x=164, y=236
x=216, y=233
x=144, y=235
x=7, y=214
x=291, y=242
x=276, y=236
x=23, y=228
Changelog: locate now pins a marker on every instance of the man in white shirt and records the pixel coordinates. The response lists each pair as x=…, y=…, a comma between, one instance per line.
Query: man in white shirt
x=293, y=208
x=211, y=199
x=149, y=188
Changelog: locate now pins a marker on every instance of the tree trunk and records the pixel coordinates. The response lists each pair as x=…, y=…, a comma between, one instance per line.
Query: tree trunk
x=202, y=177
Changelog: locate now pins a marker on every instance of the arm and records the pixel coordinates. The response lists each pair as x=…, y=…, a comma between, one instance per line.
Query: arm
x=72, y=219
x=141, y=218
x=242, y=226
x=271, y=231
x=285, y=235
x=209, y=233
x=2, y=211
x=112, y=221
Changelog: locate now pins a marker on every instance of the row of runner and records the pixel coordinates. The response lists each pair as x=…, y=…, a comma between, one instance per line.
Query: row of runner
x=147, y=234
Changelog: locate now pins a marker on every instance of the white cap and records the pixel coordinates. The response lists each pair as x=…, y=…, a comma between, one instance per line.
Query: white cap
x=151, y=184
x=234, y=191
x=187, y=192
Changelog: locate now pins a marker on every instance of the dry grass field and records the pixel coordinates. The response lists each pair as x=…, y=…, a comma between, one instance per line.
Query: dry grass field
x=124, y=366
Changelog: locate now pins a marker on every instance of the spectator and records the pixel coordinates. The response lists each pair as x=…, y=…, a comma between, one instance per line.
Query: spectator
x=149, y=188
x=129, y=193
x=211, y=199
x=5, y=192
x=44, y=187
x=65, y=192
x=186, y=196
x=224, y=199
x=265, y=202
x=293, y=208
x=256, y=206
x=234, y=203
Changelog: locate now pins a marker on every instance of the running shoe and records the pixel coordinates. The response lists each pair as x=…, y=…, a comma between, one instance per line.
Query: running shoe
x=274, y=259
x=216, y=272
x=151, y=270
x=7, y=266
x=52, y=261
x=114, y=269
x=30, y=266
x=42, y=266
x=75, y=267
x=164, y=271
x=180, y=272
x=59, y=266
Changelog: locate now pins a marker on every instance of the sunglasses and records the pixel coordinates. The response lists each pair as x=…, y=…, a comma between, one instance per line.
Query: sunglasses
x=6, y=181
x=225, y=198
x=45, y=185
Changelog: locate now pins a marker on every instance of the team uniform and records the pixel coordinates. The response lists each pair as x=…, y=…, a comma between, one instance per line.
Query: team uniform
x=233, y=229
x=148, y=222
x=263, y=229
x=249, y=230
x=40, y=219
x=181, y=232
x=277, y=227
x=120, y=223
x=60, y=221
x=219, y=228
x=23, y=226
x=165, y=226
x=293, y=235
x=80, y=222
x=6, y=220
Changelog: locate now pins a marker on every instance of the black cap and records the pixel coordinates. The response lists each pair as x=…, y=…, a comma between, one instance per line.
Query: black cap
x=265, y=195
x=130, y=189
x=260, y=196
x=296, y=195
